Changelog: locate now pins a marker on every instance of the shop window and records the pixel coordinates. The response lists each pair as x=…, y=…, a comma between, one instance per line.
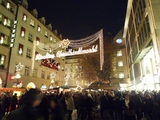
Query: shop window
x=2, y=60
x=29, y=53
x=32, y=23
x=30, y=37
x=51, y=38
x=120, y=63
x=38, y=28
x=27, y=69
x=43, y=74
x=45, y=34
x=24, y=18
x=119, y=53
x=121, y=75
x=20, y=49
x=35, y=73
x=22, y=32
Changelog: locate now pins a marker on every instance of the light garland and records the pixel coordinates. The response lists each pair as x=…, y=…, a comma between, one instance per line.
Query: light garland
x=71, y=52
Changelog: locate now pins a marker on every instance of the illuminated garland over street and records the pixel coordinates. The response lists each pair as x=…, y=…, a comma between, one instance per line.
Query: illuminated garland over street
x=85, y=42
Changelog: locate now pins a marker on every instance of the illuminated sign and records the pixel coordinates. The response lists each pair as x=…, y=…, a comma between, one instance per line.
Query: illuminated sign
x=70, y=52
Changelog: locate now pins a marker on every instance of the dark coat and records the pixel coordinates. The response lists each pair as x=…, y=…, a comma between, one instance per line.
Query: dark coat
x=25, y=113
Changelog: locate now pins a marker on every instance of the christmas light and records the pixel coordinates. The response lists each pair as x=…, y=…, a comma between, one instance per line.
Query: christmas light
x=19, y=67
x=40, y=57
x=52, y=75
x=65, y=43
x=79, y=52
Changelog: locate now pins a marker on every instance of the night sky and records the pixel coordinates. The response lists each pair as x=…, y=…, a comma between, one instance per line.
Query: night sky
x=75, y=19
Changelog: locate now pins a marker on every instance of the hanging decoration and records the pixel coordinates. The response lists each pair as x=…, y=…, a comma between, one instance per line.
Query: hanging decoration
x=70, y=52
x=52, y=75
x=19, y=67
x=85, y=42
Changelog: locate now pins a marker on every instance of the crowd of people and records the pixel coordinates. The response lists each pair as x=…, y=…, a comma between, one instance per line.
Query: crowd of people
x=111, y=105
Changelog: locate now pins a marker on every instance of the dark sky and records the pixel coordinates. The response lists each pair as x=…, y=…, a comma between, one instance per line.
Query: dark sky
x=76, y=19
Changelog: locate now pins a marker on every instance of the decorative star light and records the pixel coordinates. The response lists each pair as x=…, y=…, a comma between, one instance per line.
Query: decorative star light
x=65, y=43
x=19, y=67
x=52, y=75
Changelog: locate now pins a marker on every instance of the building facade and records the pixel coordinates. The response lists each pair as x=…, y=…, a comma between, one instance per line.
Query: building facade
x=29, y=31
x=7, y=16
x=74, y=71
x=119, y=65
x=142, y=35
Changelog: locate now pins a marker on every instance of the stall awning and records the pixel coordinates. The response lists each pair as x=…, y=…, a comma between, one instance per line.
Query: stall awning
x=141, y=54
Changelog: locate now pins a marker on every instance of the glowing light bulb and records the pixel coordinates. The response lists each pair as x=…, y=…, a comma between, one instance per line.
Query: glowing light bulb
x=8, y=5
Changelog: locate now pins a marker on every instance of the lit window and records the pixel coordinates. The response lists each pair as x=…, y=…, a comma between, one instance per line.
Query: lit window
x=35, y=73
x=37, y=40
x=120, y=63
x=24, y=17
x=39, y=28
x=121, y=75
x=1, y=17
x=54, y=40
x=2, y=59
x=43, y=74
x=51, y=38
x=22, y=32
x=5, y=21
x=1, y=39
x=20, y=49
x=28, y=55
x=8, y=22
x=32, y=23
x=26, y=71
x=46, y=34
x=119, y=53
x=30, y=37
x=8, y=5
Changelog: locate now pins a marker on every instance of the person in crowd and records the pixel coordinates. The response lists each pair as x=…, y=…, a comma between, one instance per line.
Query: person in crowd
x=70, y=104
x=118, y=106
x=14, y=102
x=63, y=103
x=129, y=109
x=55, y=109
x=28, y=110
x=1, y=108
x=138, y=104
x=88, y=104
x=156, y=107
x=104, y=105
x=147, y=106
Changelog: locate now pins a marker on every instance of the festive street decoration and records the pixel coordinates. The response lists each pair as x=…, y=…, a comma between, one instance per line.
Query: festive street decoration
x=70, y=52
x=52, y=75
x=19, y=67
x=65, y=43
x=50, y=63
x=80, y=51
x=40, y=57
